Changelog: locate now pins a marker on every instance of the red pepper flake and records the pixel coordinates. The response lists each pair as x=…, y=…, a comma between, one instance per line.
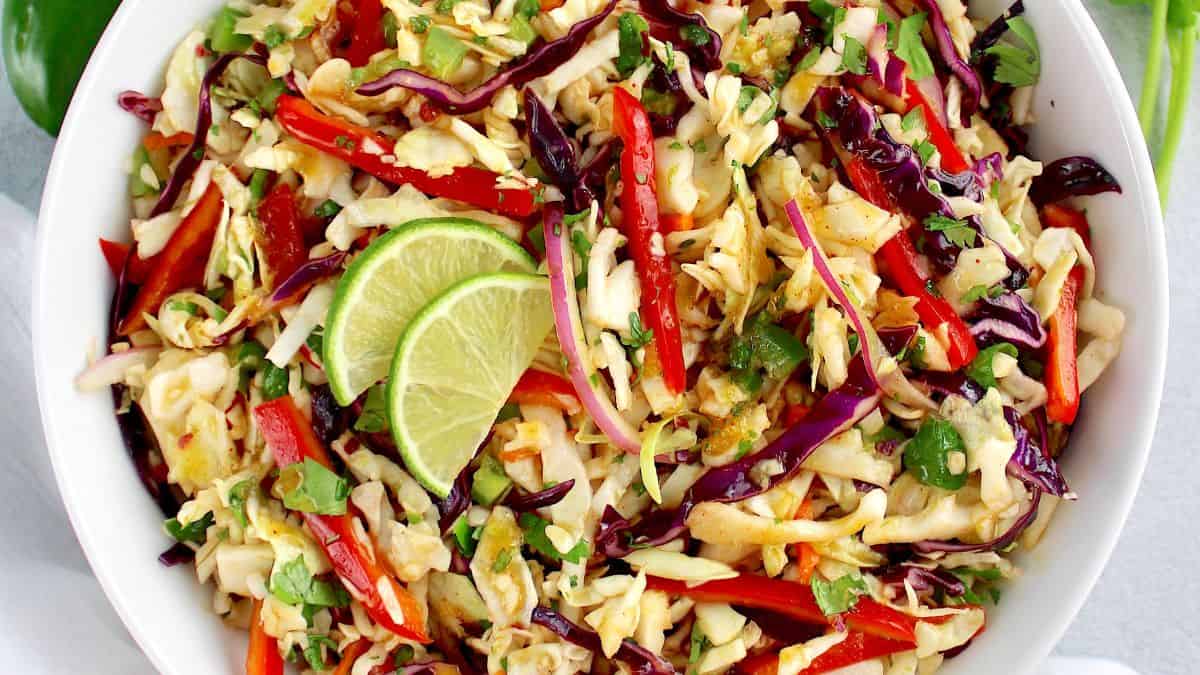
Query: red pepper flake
x=184, y=440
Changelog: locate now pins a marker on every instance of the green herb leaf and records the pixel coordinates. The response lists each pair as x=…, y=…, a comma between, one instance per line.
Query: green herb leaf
x=825, y=120
x=886, y=434
x=840, y=595
x=292, y=583
x=659, y=103
x=185, y=306
x=925, y=151
x=912, y=119
x=695, y=34
x=194, y=531
x=980, y=368
x=238, y=494
x=316, y=342
x=314, y=489
x=465, y=536
x=274, y=36
x=916, y=353
x=419, y=23
x=390, y=27
x=1018, y=62
x=269, y=96
x=313, y=652
x=809, y=60
x=927, y=455
x=975, y=293
x=911, y=49
x=535, y=536
x=638, y=335
x=854, y=56
x=258, y=185
x=957, y=232
x=698, y=644
x=374, y=417
x=527, y=8
x=503, y=560
x=631, y=29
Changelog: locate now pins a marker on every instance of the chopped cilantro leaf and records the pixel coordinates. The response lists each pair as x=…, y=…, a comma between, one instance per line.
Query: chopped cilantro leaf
x=840, y=595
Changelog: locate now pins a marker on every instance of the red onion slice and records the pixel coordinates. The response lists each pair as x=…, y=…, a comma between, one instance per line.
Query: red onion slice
x=873, y=352
x=111, y=369
x=569, y=327
x=194, y=154
x=139, y=105
x=541, y=61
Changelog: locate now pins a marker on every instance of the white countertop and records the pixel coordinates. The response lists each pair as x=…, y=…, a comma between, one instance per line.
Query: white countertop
x=1143, y=611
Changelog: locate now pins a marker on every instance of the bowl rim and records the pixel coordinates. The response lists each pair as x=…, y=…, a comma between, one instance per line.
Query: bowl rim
x=1057, y=621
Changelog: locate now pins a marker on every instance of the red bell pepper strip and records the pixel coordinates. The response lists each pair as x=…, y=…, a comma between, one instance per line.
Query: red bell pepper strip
x=181, y=263
x=901, y=259
x=796, y=600
x=365, y=149
x=262, y=656
x=114, y=254
x=367, y=38
x=639, y=220
x=292, y=439
x=1058, y=215
x=283, y=239
x=537, y=387
x=856, y=648
x=952, y=158
x=156, y=141
x=1062, y=369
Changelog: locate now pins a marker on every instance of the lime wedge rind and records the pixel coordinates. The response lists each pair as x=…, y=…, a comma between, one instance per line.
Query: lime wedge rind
x=455, y=365
x=397, y=275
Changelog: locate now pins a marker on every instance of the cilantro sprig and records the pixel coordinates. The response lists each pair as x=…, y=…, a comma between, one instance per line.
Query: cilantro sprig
x=957, y=232
x=1019, y=61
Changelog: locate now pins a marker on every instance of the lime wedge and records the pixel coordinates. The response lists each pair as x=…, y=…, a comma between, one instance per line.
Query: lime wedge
x=456, y=364
x=398, y=274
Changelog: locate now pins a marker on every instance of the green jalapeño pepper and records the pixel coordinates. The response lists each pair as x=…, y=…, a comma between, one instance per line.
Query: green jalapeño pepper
x=46, y=45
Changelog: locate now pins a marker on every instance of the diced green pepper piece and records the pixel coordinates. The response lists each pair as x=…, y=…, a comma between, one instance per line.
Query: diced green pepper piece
x=137, y=186
x=275, y=381
x=442, y=53
x=270, y=94
x=491, y=483
x=258, y=185
x=223, y=36
x=927, y=455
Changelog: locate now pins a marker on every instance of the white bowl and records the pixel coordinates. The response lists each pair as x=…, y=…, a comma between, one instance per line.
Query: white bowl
x=1083, y=108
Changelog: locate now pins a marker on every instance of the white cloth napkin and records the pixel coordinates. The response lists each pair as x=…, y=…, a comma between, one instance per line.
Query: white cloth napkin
x=55, y=619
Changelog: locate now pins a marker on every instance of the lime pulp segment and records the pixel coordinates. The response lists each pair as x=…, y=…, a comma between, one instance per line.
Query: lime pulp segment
x=457, y=363
x=389, y=283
